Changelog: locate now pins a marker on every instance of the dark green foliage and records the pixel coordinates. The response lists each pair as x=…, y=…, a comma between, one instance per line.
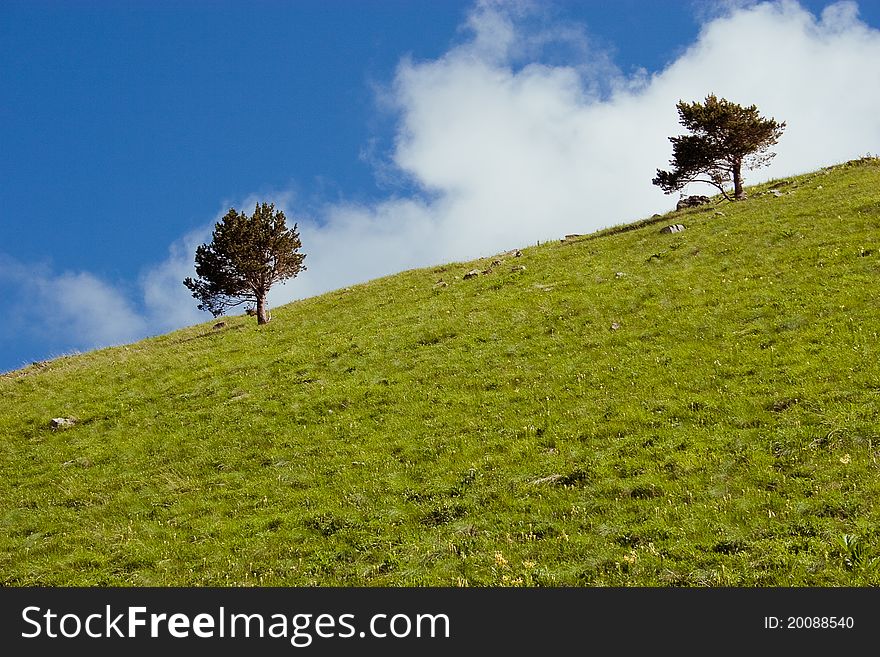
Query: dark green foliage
x=724, y=136
x=246, y=256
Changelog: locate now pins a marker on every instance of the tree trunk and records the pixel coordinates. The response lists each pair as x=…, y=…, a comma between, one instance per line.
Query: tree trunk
x=737, y=181
x=262, y=311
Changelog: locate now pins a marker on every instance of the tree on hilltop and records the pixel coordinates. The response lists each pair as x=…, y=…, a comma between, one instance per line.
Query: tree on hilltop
x=246, y=256
x=724, y=137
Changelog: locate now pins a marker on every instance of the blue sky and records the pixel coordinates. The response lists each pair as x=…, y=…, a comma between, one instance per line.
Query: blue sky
x=128, y=128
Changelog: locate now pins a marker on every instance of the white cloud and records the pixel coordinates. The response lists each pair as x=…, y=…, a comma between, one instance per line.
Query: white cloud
x=507, y=150
x=90, y=308
x=167, y=303
x=75, y=309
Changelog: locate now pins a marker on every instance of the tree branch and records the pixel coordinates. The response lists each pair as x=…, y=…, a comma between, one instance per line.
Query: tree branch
x=714, y=184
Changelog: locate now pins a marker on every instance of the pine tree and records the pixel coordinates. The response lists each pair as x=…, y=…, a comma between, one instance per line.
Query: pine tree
x=246, y=256
x=724, y=138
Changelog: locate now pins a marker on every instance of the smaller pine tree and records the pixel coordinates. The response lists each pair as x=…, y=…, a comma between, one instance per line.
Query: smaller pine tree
x=246, y=256
x=724, y=138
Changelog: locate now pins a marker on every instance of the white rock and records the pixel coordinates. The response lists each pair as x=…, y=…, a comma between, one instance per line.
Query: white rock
x=62, y=422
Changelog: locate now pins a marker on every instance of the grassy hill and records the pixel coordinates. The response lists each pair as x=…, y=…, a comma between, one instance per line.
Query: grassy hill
x=631, y=408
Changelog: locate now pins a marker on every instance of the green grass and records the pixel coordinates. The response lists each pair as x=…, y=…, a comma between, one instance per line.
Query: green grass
x=492, y=432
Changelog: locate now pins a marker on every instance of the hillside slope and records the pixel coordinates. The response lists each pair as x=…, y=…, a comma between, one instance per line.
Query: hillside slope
x=631, y=408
